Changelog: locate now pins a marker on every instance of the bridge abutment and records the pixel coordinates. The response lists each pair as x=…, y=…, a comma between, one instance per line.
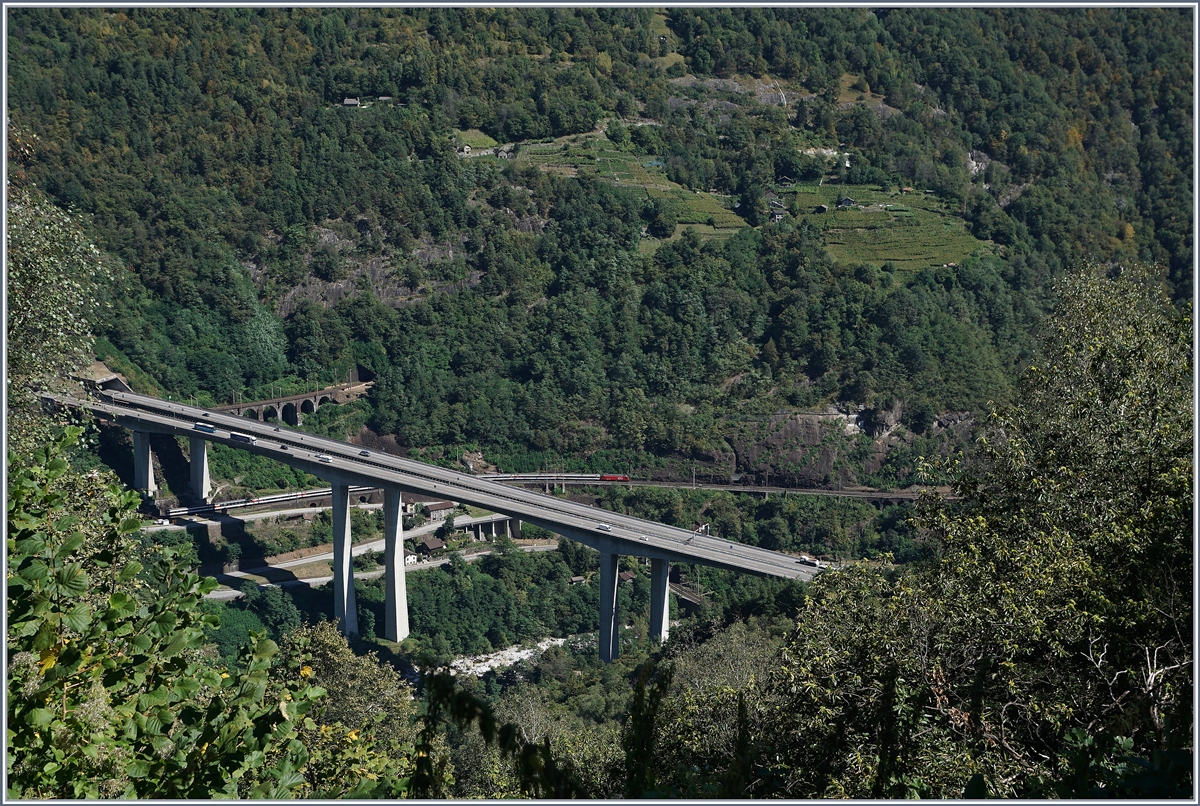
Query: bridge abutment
x=396, y=601
x=143, y=464
x=610, y=619
x=660, y=609
x=344, y=605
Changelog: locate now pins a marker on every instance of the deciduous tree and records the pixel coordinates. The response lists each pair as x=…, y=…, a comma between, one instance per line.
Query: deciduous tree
x=1053, y=635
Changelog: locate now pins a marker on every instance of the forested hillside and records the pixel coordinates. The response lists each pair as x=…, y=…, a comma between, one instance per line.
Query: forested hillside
x=269, y=234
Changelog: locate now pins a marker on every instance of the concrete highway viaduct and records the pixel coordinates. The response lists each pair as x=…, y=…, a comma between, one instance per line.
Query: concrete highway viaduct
x=343, y=465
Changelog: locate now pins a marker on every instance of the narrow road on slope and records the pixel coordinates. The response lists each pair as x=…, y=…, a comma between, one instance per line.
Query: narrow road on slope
x=229, y=593
x=231, y=577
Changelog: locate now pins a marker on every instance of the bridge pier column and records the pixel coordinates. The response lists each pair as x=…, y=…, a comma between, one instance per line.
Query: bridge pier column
x=344, y=607
x=610, y=621
x=198, y=464
x=396, y=601
x=143, y=465
x=660, y=609
x=514, y=528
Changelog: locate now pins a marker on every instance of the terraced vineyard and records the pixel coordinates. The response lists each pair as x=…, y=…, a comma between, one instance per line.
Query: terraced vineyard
x=594, y=154
x=911, y=230
x=699, y=208
x=562, y=157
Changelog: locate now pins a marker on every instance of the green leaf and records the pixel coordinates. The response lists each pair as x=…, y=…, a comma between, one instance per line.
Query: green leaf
x=186, y=686
x=72, y=580
x=46, y=637
x=164, y=623
x=287, y=781
x=161, y=744
x=35, y=570
x=177, y=644
x=129, y=525
x=150, y=699
x=131, y=570
x=151, y=725
x=122, y=604
x=69, y=545
x=32, y=543
x=40, y=717
x=209, y=677
x=79, y=617
x=265, y=648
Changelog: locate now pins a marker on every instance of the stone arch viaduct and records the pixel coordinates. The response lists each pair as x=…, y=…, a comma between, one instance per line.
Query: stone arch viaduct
x=291, y=409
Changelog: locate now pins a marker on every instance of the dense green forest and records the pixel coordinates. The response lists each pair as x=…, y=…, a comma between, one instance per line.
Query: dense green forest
x=508, y=306
x=636, y=275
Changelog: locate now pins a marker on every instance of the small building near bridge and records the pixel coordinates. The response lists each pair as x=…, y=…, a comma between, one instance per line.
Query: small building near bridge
x=440, y=510
x=429, y=545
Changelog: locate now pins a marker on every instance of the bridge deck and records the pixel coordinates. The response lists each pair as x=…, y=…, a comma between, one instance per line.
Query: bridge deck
x=344, y=463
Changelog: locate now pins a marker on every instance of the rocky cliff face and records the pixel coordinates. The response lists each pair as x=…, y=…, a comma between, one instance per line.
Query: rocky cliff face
x=829, y=448
x=798, y=449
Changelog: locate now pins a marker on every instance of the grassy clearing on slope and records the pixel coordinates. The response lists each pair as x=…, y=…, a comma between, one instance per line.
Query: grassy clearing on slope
x=848, y=94
x=475, y=139
x=648, y=246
